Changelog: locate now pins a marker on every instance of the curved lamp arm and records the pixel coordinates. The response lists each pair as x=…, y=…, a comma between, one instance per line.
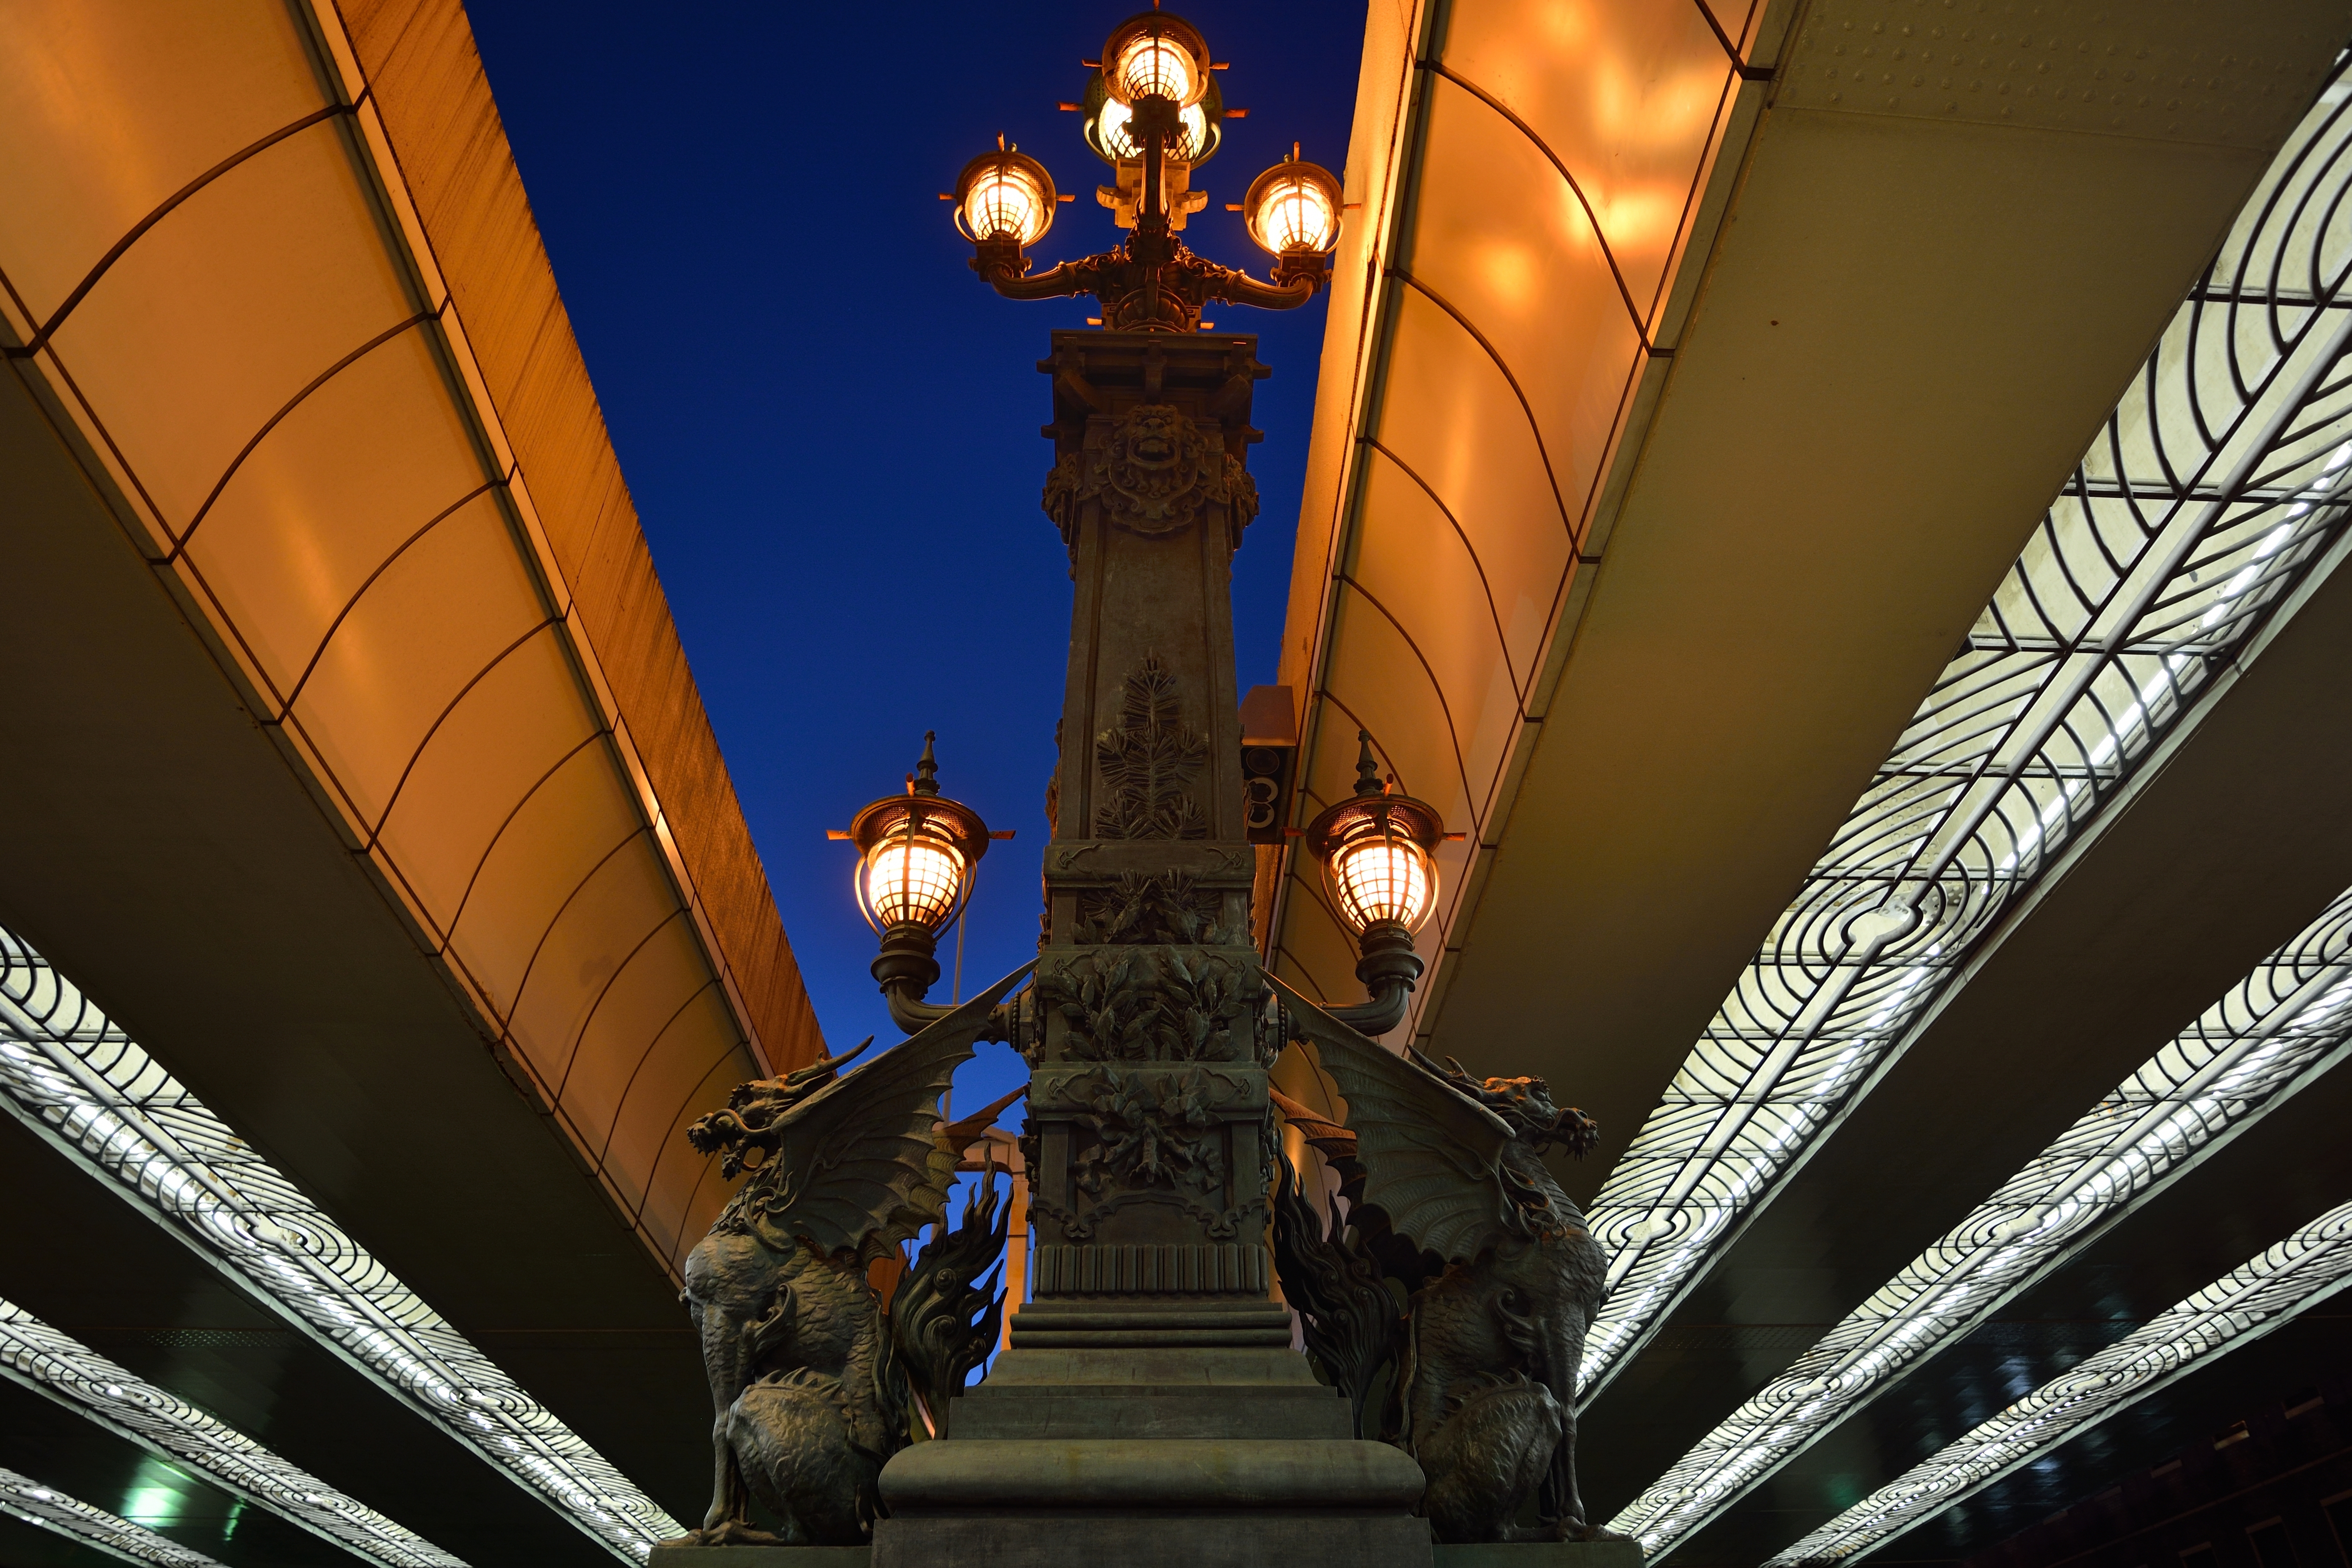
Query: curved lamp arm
x=1384, y=1011
x=1002, y=263
x=1292, y=286
x=1118, y=275
x=1058, y=281
x=1388, y=969
x=904, y=996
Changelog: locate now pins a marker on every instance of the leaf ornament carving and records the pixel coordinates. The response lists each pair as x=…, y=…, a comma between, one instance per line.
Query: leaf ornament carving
x=1139, y=907
x=1159, y=1005
x=1066, y=491
x=1199, y=997
x=1146, y=761
x=1105, y=1005
x=1241, y=499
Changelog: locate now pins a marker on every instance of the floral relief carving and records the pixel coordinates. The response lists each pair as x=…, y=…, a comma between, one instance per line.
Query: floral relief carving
x=1150, y=1131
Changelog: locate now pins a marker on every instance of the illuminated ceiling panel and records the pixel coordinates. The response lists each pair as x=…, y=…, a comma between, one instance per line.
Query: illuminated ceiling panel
x=72, y=1076
x=56, y=1364
x=23, y=1498
x=2253, y=1299
x=2215, y=488
x=1533, y=308
x=219, y=284
x=2277, y=1030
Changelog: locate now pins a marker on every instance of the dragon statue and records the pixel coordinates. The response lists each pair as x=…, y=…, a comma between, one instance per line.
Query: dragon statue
x=1445, y=1194
x=815, y=1384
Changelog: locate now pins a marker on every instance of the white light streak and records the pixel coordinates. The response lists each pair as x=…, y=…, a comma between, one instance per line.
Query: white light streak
x=70, y=1074
x=58, y=1365
x=2283, y=1024
x=22, y=1497
x=2183, y=527
x=2237, y=1309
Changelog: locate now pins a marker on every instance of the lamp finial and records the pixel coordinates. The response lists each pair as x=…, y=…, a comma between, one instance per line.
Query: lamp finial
x=926, y=780
x=1368, y=767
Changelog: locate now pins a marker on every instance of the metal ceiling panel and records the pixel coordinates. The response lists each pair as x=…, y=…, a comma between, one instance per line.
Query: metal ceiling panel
x=231, y=305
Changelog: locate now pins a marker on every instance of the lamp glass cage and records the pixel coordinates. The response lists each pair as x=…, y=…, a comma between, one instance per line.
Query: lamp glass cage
x=1006, y=196
x=1381, y=877
x=1294, y=208
x=1155, y=64
x=1111, y=130
x=914, y=872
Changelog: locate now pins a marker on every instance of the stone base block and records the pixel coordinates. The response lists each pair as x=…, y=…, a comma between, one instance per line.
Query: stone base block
x=966, y=1478
x=1091, y=1541
x=684, y=1554
x=1142, y=1503
x=1227, y=1542
x=1081, y=1393
x=1543, y=1554
x=1310, y=1413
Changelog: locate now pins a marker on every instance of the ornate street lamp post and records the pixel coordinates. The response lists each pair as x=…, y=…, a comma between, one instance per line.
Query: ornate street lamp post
x=1151, y=1146
x=1152, y=1404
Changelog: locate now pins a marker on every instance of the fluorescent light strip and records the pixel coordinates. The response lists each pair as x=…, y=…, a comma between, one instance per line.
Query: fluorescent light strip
x=70, y=1074
x=2184, y=525
x=57, y=1365
x=2287, y=1022
x=2241, y=1306
x=23, y=1498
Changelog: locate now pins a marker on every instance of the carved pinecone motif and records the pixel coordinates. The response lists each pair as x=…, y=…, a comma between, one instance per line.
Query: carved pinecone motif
x=1146, y=761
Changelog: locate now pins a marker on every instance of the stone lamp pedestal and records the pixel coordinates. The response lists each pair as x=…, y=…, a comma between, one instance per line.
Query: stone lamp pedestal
x=1150, y=1408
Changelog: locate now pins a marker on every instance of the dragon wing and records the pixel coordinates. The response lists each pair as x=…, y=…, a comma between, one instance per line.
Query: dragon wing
x=1432, y=1156
x=862, y=1162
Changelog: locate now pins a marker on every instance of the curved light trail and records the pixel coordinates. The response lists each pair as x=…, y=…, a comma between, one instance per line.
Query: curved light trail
x=2218, y=487
x=23, y=1498
x=2277, y=1030
x=2298, y=1273
x=70, y=1074
x=65, y=1370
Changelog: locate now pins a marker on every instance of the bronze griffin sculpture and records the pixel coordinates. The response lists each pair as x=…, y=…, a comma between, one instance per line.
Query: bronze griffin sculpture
x=1446, y=1194
x=815, y=1383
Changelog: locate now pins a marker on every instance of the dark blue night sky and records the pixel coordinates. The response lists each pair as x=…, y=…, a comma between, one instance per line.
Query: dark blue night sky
x=829, y=424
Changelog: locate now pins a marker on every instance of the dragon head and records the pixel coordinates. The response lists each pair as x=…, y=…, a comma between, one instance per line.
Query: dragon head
x=1526, y=1104
x=755, y=1111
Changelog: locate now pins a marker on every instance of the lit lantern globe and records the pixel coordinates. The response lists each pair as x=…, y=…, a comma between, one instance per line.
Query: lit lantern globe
x=1375, y=849
x=1293, y=209
x=913, y=873
x=1380, y=877
x=1004, y=195
x=1156, y=55
x=916, y=854
x=1115, y=141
